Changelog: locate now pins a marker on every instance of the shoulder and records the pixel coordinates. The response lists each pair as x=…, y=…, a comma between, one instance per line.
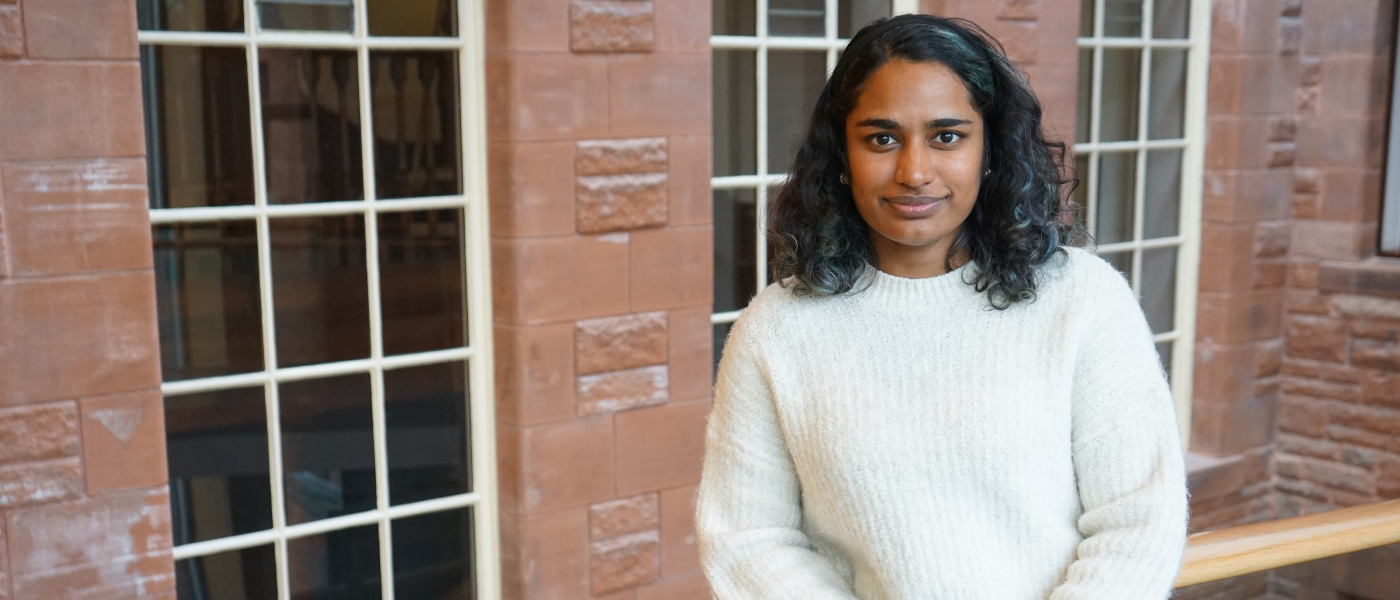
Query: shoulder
x=1086, y=275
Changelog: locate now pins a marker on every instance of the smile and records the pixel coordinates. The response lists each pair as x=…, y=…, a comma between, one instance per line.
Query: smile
x=914, y=206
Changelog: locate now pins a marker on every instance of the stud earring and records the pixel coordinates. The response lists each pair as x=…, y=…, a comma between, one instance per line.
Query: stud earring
x=845, y=180
x=987, y=173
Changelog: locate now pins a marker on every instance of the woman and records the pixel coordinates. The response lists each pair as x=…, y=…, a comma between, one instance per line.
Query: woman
x=940, y=400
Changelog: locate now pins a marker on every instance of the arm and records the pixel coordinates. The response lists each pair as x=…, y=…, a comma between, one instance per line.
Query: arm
x=1127, y=459
x=748, y=514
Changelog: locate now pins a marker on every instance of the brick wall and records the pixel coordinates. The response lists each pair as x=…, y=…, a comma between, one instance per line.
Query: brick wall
x=599, y=128
x=83, y=505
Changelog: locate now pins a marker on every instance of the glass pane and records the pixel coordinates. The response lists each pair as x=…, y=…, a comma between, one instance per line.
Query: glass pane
x=1086, y=18
x=248, y=574
x=420, y=280
x=854, y=14
x=1159, y=288
x=319, y=291
x=190, y=15
x=735, y=249
x=805, y=18
x=721, y=333
x=412, y=17
x=207, y=299
x=311, y=125
x=1083, y=117
x=1123, y=261
x=735, y=100
x=217, y=448
x=307, y=15
x=1114, y=209
x=1162, y=194
x=1164, y=353
x=199, y=141
x=733, y=17
x=425, y=422
x=416, y=141
x=1118, y=118
x=1171, y=18
x=327, y=447
x=1166, y=102
x=433, y=557
x=1081, y=190
x=338, y=565
x=795, y=79
x=1122, y=18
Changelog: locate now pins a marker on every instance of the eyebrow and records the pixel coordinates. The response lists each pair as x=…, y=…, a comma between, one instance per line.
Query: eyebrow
x=934, y=124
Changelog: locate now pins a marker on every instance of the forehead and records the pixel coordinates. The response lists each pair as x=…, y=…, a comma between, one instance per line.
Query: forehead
x=914, y=90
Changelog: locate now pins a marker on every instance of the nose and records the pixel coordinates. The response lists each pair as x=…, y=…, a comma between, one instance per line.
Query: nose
x=915, y=166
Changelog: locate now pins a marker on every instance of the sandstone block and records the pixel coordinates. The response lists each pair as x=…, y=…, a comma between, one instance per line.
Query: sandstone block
x=1316, y=338
x=1381, y=387
x=39, y=432
x=621, y=202
x=617, y=343
x=620, y=157
x=626, y=561
x=41, y=482
x=1376, y=354
x=612, y=26
x=11, y=32
x=624, y=516
x=1366, y=307
x=622, y=390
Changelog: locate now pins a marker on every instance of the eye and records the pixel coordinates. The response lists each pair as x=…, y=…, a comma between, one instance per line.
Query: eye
x=947, y=137
x=882, y=139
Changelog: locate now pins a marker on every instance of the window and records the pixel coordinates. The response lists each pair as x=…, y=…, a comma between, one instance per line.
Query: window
x=1139, y=151
x=317, y=186
x=1390, y=212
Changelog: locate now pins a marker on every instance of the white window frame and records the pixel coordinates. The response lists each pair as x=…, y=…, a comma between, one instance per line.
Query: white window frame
x=1390, y=211
x=1192, y=144
x=476, y=263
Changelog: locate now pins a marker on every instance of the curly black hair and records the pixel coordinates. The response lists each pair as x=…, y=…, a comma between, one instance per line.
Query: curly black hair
x=1019, y=220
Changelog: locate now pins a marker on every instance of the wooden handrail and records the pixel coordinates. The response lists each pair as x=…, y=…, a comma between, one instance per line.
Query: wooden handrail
x=1215, y=555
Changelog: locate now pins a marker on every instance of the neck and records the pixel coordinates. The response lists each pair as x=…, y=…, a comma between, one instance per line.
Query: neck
x=917, y=262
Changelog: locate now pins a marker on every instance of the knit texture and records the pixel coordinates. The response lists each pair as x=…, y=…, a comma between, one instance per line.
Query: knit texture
x=908, y=442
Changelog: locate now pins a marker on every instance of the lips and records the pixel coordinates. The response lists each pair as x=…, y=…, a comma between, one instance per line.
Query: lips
x=914, y=206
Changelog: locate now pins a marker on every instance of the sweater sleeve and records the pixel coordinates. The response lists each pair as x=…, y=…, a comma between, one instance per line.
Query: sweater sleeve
x=748, y=511
x=1127, y=456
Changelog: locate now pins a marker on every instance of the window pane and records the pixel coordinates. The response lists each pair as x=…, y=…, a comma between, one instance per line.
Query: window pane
x=1123, y=261
x=1086, y=18
x=311, y=125
x=412, y=17
x=425, y=420
x=199, y=140
x=735, y=102
x=306, y=15
x=1081, y=190
x=1114, y=209
x=1164, y=353
x=416, y=142
x=420, y=280
x=721, y=333
x=207, y=299
x=339, y=565
x=190, y=15
x=1162, y=194
x=1122, y=18
x=327, y=447
x=1084, y=117
x=1166, y=103
x=795, y=79
x=733, y=17
x=1171, y=18
x=806, y=18
x=248, y=574
x=855, y=14
x=1159, y=288
x=319, y=289
x=1118, y=117
x=218, y=458
x=433, y=557
x=735, y=249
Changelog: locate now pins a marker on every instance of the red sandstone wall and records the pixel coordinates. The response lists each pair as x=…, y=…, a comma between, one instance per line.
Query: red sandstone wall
x=83, y=506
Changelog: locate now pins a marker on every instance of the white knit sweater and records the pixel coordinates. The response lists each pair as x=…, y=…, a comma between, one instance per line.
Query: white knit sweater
x=907, y=442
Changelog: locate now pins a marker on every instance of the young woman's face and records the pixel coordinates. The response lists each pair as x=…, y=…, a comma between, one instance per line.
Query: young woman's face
x=914, y=142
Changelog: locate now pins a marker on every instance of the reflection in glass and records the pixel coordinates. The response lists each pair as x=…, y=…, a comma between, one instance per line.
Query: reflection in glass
x=1166, y=103
x=735, y=249
x=795, y=79
x=327, y=447
x=337, y=565
x=412, y=17
x=311, y=125
x=425, y=422
x=1123, y=261
x=804, y=18
x=1171, y=18
x=1122, y=18
x=319, y=289
x=207, y=300
x=1084, y=118
x=218, y=459
x=1114, y=209
x=198, y=139
x=190, y=15
x=1159, y=288
x=433, y=557
x=1118, y=112
x=733, y=17
x=307, y=15
x=851, y=15
x=735, y=102
x=416, y=149
x=420, y=280
x=1086, y=18
x=247, y=574
x=1164, y=353
x=1162, y=194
